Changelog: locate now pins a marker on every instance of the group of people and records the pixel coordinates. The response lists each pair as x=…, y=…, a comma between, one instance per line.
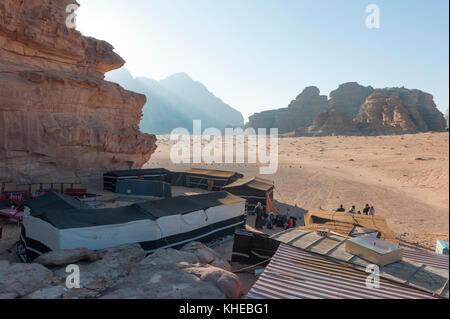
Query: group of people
x=368, y=210
x=271, y=220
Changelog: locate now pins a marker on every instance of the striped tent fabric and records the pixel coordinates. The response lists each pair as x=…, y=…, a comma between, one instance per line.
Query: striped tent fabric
x=297, y=274
x=427, y=258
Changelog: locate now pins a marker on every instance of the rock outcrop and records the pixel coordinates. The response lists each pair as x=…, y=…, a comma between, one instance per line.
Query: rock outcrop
x=425, y=114
x=172, y=274
x=349, y=97
x=355, y=110
x=125, y=272
x=381, y=115
x=300, y=112
x=19, y=280
x=329, y=123
x=59, y=120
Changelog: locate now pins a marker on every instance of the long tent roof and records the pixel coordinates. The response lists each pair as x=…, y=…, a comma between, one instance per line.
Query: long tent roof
x=138, y=172
x=253, y=182
x=212, y=173
x=344, y=223
x=64, y=212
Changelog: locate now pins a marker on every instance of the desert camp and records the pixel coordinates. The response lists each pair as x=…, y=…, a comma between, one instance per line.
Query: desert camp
x=160, y=209
x=211, y=156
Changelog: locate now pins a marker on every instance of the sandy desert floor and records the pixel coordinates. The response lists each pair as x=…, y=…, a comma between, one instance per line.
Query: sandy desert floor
x=406, y=178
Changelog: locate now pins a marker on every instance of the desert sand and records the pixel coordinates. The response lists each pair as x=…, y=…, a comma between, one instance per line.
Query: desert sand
x=405, y=177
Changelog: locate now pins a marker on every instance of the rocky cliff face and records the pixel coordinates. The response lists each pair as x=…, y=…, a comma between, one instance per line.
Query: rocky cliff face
x=348, y=98
x=300, y=112
x=425, y=114
x=356, y=110
x=381, y=114
x=329, y=123
x=59, y=120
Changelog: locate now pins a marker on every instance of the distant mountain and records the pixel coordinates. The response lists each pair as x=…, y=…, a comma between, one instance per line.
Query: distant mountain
x=176, y=101
x=355, y=110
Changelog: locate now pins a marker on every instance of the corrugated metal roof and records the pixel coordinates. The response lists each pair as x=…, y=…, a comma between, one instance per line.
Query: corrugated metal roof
x=415, y=274
x=294, y=273
x=427, y=258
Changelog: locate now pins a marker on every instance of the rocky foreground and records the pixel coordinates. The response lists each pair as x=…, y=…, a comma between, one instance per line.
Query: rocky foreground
x=58, y=117
x=194, y=272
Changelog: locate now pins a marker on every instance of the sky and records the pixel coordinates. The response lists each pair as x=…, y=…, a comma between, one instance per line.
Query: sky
x=260, y=54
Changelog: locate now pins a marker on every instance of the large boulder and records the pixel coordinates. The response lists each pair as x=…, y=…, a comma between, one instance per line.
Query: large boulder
x=116, y=263
x=206, y=255
x=173, y=274
x=227, y=282
x=65, y=257
x=54, y=292
x=19, y=280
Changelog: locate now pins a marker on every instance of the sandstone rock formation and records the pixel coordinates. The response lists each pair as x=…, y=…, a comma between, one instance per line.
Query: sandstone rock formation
x=300, y=112
x=348, y=98
x=332, y=122
x=59, y=120
x=424, y=111
x=356, y=110
x=381, y=115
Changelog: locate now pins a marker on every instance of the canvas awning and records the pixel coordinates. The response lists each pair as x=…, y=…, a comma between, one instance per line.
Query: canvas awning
x=64, y=212
x=254, y=183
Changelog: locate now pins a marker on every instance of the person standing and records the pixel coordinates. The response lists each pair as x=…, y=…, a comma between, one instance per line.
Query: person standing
x=372, y=211
x=366, y=209
x=259, y=216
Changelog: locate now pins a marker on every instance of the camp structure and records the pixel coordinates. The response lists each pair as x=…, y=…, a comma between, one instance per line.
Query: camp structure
x=110, y=179
x=350, y=225
x=212, y=180
x=59, y=222
x=424, y=273
x=144, y=188
x=295, y=273
x=253, y=189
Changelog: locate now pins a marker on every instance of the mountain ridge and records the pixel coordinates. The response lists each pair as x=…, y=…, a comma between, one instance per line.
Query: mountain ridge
x=176, y=101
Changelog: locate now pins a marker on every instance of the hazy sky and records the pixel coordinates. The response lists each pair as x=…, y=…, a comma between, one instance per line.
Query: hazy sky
x=260, y=54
